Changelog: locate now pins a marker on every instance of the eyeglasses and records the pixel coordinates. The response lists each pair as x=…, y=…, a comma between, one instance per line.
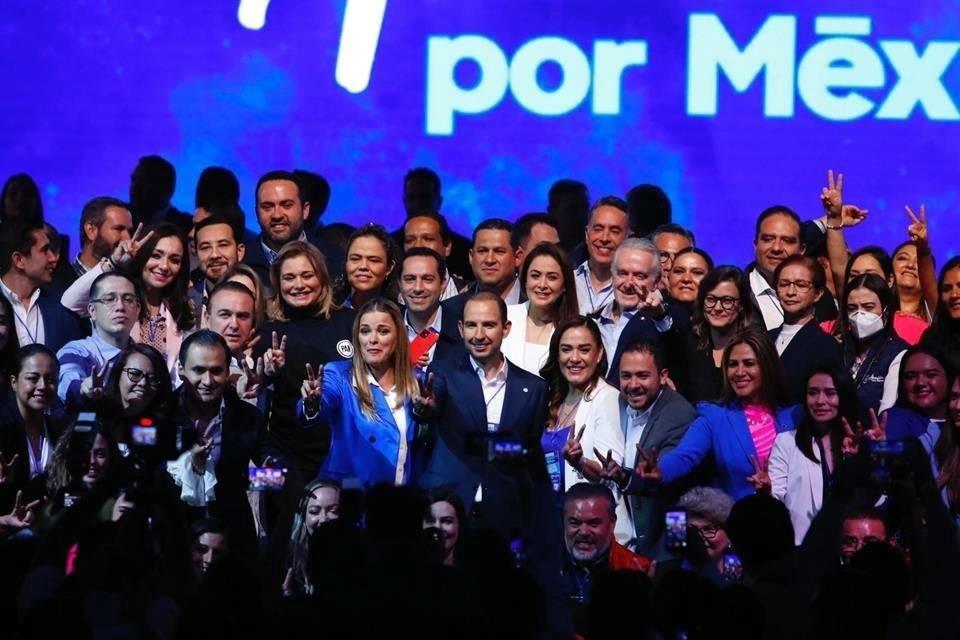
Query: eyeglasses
x=135, y=376
x=708, y=532
x=851, y=542
x=128, y=299
x=726, y=302
x=667, y=256
x=802, y=285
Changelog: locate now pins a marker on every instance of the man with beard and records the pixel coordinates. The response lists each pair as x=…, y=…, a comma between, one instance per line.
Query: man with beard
x=219, y=247
x=114, y=308
x=589, y=518
x=104, y=223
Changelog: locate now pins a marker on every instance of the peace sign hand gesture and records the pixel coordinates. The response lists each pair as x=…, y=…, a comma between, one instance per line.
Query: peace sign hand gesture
x=92, y=387
x=8, y=468
x=423, y=398
x=918, y=228
x=275, y=357
x=22, y=515
x=878, y=428
x=850, y=445
x=760, y=478
x=572, y=449
x=248, y=386
x=311, y=389
x=610, y=469
x=831, y=196
x=127, y=249
x=647, y=464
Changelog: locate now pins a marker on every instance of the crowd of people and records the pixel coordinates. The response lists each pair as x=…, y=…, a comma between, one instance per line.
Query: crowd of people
x=572, y=424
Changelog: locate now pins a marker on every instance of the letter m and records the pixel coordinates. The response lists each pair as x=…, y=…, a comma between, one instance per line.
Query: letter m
x=711, y=50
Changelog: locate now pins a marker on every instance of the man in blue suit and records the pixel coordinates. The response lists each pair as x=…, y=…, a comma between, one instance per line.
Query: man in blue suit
x=477, y=402
x=27, y=264
x=434, y=333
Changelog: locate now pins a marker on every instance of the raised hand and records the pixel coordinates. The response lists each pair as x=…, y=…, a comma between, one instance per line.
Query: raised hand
x=92, y=387
x=647, y=464
x=251, y=343
x=424, y=398
x=760, y=480
x=275, y=357
x=248, y=386
x=22, y=515
x=853, y=215
x=311, y=389
x=8, y=468
x=610, y=469
x=127, y=249
x=652, y=302
x=831, y=196
x=572, y=449
x=878, y=428
x=850, y=445
x=918, y=228
x=199, y=454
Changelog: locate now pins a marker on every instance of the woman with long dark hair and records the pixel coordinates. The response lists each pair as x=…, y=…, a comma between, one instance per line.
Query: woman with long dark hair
x=137, y=386
x=802, y=461
x=158, y=262
x=944, y=331
x=9, y=344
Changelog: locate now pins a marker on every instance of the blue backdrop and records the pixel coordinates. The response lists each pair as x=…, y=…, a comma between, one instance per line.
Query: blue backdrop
x=729, y=106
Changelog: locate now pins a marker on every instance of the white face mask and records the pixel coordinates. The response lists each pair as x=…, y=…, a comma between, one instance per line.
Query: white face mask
x=865, y=324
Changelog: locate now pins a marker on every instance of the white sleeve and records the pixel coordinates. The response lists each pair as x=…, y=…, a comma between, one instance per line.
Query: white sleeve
x=890, y=384
x=77, y=296
x=777, y=466
x=604, y=426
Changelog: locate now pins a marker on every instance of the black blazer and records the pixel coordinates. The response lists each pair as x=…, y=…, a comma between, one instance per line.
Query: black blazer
x=695, y=374
x=808, y=349
x=13, y=441
x=641, y=327
x=60, y=325
x=254, y=256
x=458, y=302
x=450, y=343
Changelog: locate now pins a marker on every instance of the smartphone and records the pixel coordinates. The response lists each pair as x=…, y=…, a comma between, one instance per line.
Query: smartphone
x=267, y=478
x=143, y=436
x=676, y=530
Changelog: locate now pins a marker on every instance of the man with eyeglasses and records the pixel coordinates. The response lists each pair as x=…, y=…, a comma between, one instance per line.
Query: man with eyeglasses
x=114, y=308
x=860, y=528
x=670, y=239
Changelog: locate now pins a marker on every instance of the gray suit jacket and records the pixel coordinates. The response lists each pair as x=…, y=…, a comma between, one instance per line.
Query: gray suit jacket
x=671, y=416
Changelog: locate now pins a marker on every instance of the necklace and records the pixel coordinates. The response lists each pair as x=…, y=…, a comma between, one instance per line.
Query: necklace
x=562, y=419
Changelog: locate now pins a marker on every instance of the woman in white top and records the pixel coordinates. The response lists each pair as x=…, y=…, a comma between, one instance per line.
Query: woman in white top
x=803, y=461
x=584, y=411
x=159, y=264
x=551, y=298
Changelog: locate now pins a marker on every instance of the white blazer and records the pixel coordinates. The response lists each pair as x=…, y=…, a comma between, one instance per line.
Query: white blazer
x=514, y=345
x=797, y=481
x=599, y=412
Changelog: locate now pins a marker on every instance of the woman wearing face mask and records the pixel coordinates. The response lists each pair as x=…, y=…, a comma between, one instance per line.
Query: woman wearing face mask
x=370, y=268
x=800, y=283
x=319, y=503
x=803, y=461
x=447, y=514
x=722, y=310
x=945, y=329
x=871, y=349
x=551, y=299
x=27, y=434
x=158, y=262
x=368, y=402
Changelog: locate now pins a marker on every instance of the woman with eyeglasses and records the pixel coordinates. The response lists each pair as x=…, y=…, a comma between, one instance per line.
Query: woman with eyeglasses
x=722, y=309
x=800, y=282
x=707, y=512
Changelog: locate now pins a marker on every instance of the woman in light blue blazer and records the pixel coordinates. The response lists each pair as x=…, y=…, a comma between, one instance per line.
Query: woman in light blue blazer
x=738, y=433
x=803, y=461
x=367, y=401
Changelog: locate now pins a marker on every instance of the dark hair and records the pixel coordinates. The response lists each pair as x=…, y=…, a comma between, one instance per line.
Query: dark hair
x=111, y=403
x=389, y=289
x=760, y=529
x=493, y=224
x=947, y=452
x=424, y=175
x=208, y=525
x=642, y=345
x=746, y=316
x=216, y=186
x=9, y=360
x=316, y=191
x=26, y=195
x=281, y=174
x=204, y=338
x=848, y=409
x=674, y=228
x=551, y=372
x=232, y=285
x=781, y=210
x=943, y=329
x=817, y=275
x=697, y=250
x=175, y=294
x=62, y=472
x=95, y=285
x=446, y=236
x=649, y=207
x=160, y=174
x=523, y=227
x=879, y=286
x=566, y=305
x=451, y=497
x=488, y=296
x=235, y=224
x=877, y=253
x=591, y=491
x=867, y=512
x=928, y=349
x=17, y=236
x=425, y=252
x=773, y=394
x=609, y=201
x=568, y=204
x=95, y=213
x=30, y=350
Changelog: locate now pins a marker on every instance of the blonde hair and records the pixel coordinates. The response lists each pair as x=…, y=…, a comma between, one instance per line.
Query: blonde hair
x=325, y=306
x=404, y=381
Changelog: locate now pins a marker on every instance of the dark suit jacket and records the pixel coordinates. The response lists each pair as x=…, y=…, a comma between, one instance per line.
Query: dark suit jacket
x=809, y=348
x=641, y=327
x=255, y=257
x=515, y=494
x=60, y=325
x=450, y=345
x=826, y=308
x=669, y=419
x=458, y=302
x=13, y=441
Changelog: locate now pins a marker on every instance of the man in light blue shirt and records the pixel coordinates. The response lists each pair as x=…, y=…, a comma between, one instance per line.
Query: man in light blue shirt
x=606, y=230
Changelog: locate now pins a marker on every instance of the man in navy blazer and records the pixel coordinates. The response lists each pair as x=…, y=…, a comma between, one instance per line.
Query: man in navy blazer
x=431, y=328
x=475, y=401
x=27, y=264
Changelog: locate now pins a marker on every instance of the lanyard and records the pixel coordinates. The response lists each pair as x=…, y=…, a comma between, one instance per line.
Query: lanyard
x=36, y=326
x=37, y=465
x=594, y=307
